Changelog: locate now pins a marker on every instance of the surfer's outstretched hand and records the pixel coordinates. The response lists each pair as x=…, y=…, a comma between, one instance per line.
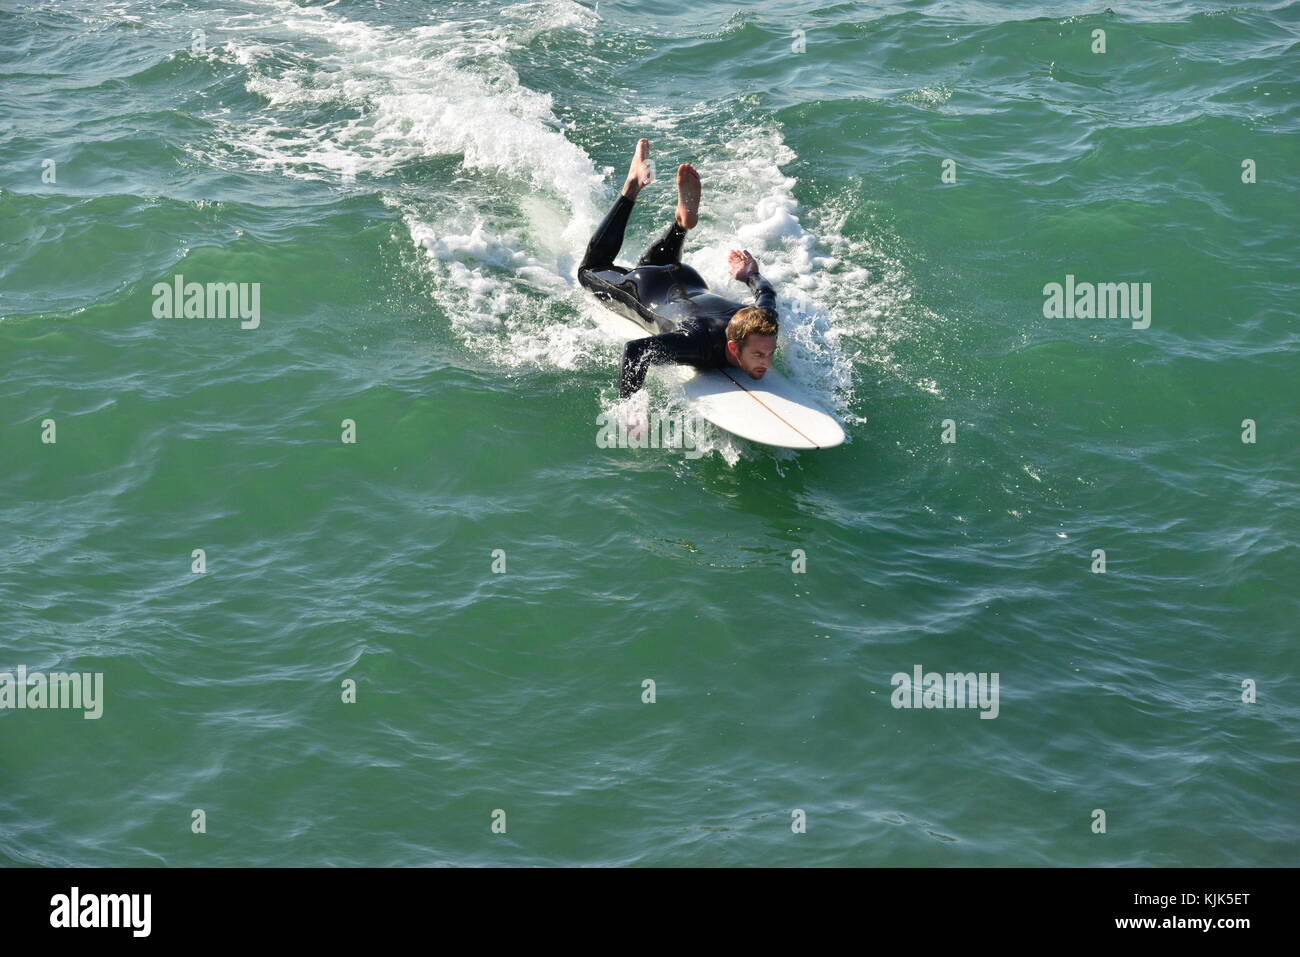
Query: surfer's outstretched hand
x=742, y=263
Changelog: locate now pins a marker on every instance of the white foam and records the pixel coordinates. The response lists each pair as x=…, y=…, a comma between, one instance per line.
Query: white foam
x=441, y=90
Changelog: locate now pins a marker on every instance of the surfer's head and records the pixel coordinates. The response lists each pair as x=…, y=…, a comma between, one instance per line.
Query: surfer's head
x=751, y=340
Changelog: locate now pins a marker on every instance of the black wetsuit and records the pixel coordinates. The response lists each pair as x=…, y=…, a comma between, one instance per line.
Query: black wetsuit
x=666, y=297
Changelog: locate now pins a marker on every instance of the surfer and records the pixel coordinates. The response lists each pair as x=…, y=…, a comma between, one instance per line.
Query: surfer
x=691, y=325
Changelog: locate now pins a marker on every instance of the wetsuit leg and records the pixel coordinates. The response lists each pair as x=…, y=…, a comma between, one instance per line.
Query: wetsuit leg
x=608, y=238
x=611, y=282
x=667, y=251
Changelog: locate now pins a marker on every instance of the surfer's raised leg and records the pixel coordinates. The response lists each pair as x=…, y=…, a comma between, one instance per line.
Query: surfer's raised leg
x=667, y=250
x=608, y=238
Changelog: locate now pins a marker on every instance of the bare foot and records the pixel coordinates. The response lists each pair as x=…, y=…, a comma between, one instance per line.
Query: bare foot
x=639, y=174
x=688, y=196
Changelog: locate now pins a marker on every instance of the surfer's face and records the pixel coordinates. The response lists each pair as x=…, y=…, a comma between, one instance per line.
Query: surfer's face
x=754, y=354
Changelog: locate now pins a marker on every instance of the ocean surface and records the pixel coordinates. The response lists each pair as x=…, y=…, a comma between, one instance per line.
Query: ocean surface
x=410, y=185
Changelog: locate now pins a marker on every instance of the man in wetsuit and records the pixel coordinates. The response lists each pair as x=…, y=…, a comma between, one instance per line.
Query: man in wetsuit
x=693, y=326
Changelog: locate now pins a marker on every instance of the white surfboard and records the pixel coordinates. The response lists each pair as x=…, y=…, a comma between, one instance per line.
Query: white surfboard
x=772, y=410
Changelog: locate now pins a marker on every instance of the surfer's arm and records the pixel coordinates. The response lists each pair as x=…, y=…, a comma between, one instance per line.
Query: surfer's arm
x=640, y=354
x=744, y=267
x=764, y=294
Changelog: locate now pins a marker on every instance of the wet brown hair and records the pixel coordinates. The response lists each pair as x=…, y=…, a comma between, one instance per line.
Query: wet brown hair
x=751, y=321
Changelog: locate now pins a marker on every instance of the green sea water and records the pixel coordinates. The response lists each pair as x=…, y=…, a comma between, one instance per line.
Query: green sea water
x=410, y=185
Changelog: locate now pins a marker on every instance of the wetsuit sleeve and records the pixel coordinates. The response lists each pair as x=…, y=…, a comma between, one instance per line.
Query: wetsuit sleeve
x=640, y=354
x=764, y=294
